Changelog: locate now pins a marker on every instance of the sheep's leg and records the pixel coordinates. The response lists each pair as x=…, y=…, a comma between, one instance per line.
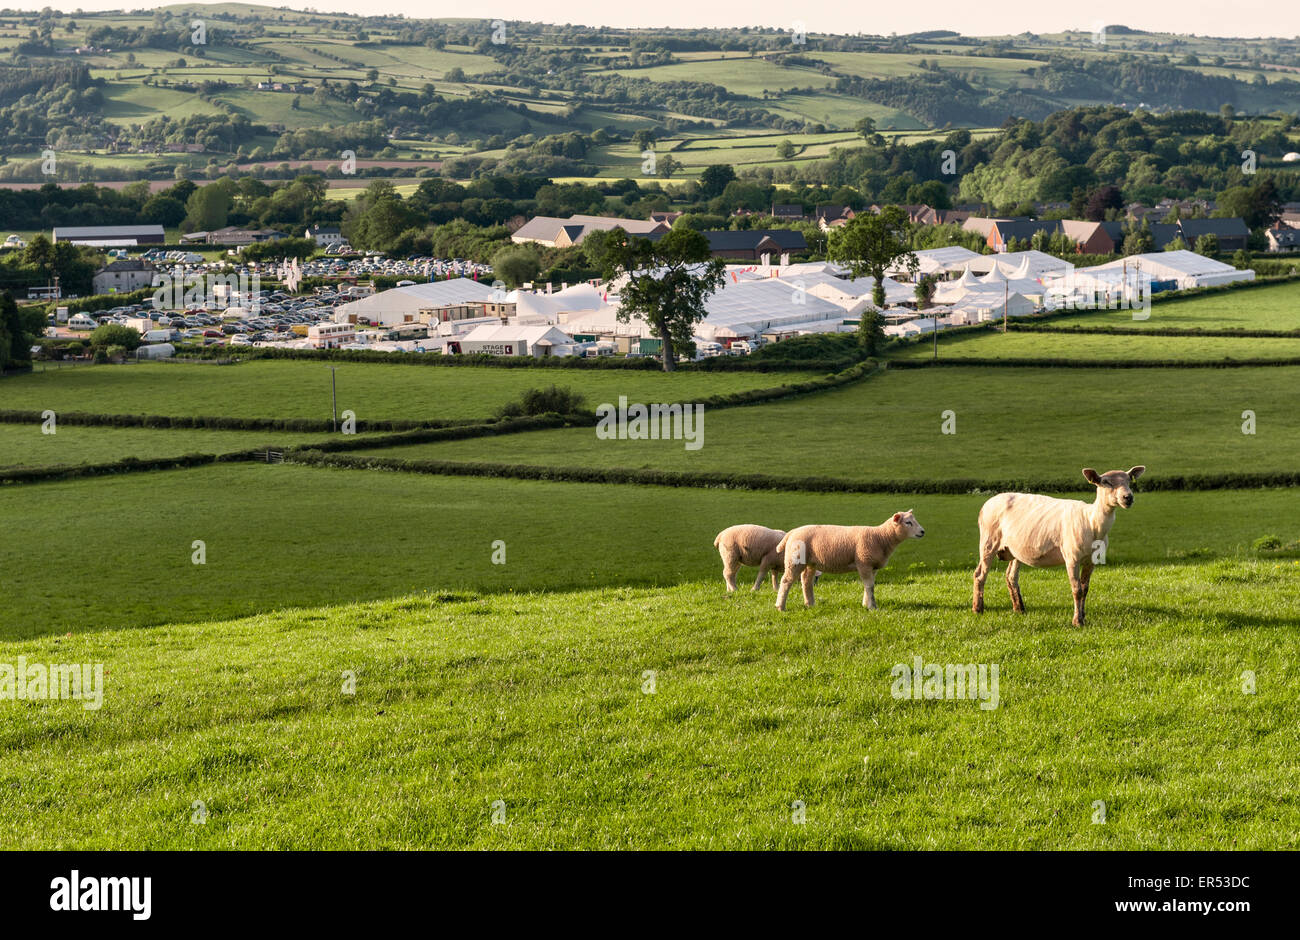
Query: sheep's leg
x=988, y=551
x=730, y=565
x=787, y=582
x=868, y=576
x=762, y=570
x=1013, y=585
x=768, y=563
x=806, y=579
x=1085, y=580
x=1076, y=588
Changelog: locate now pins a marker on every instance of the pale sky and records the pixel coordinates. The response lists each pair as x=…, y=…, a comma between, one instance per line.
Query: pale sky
x=971, y=17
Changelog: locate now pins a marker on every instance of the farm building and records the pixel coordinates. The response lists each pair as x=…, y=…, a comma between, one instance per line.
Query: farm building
x=420, y=303
x=110, y=236
x=498, y=340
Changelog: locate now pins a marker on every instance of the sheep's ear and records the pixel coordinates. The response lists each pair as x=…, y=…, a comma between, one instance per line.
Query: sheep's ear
x=1136, y=472
x=1091, y=476
x=898, y=517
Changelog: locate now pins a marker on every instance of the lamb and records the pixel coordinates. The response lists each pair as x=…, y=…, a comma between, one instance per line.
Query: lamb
x=749, y=545
x=841, y=548
x=1043, y=532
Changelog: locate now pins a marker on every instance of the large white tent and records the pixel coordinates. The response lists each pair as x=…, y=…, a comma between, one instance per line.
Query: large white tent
x=393, y=307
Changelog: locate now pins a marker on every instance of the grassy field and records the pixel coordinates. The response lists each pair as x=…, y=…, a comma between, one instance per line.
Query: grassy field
x=301, y=389
x=24, y=445
x=1276, y=307
x=680, y=718
x=283, y=536
x=1009, y=423
x=994, y=344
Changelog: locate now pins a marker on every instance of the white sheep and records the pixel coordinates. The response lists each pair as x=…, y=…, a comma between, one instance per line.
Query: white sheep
x=1043, y=531
x=749, y=545
x=836, y=549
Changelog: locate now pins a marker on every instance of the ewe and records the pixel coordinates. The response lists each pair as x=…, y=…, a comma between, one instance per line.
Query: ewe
x=836, y=549
x=749, y=545
x=1042, y=531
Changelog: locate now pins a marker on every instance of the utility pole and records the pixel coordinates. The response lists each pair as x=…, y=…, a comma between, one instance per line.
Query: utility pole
x=334, y=400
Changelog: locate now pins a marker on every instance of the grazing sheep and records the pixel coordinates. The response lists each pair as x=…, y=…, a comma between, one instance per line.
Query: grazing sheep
x=1042, y=531
x=841, y=548
x=749, y=545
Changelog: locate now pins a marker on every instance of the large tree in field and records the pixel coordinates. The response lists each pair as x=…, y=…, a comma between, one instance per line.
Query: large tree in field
x=666, y=282
x=870, y=245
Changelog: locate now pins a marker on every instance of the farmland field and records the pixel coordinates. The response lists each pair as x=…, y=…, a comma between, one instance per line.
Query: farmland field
x=296, y=389
x=24, y=445
x=676, y=717
x=993, y=344
x=1275, y=307
x=890, y=427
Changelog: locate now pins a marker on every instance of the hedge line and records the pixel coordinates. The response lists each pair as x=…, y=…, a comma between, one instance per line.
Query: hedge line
x=456, y=433
x=13, y=475
x=644, y=364
x=1094, y=363
x=1154, y=331
x=216, y=423
x=759, y=481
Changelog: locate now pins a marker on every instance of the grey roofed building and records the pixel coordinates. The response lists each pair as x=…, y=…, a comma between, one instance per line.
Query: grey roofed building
x=751, y=244
x=1231, y=233
x=122, y=234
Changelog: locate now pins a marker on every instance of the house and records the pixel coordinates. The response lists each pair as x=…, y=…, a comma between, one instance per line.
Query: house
x=123, y=276
x=832, y=216
x=666, y=217
x=1283, y=238
x=325, y=236
x=110, y=236
x=1094, y=238
x=787, y=212
x=1004, y=230
x=1232, y=234
x=753, y=244
x=561, y=233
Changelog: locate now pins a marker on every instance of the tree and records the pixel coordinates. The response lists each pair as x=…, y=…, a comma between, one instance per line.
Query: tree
x=1139, y=241
x=715, y=178
x=870, y=245
x=667, y=283
x=866, y=127
x=208, y=208
x=515, y=265
x=18, y=331
x=669, y=165
x=114, y=334
x=1101, y=199
x=1207, y=244
x=785, y=150
x=924, y=294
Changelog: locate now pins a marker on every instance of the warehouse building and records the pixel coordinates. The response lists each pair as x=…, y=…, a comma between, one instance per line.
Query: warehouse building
x=111, y=236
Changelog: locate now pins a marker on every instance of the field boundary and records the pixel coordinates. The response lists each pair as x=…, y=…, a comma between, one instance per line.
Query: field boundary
x=1046, y=363
x=1188, y=332
x=758, y=481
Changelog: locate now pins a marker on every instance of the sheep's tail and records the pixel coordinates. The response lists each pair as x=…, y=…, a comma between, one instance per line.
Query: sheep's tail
x=716, y=539
x=780, y=546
